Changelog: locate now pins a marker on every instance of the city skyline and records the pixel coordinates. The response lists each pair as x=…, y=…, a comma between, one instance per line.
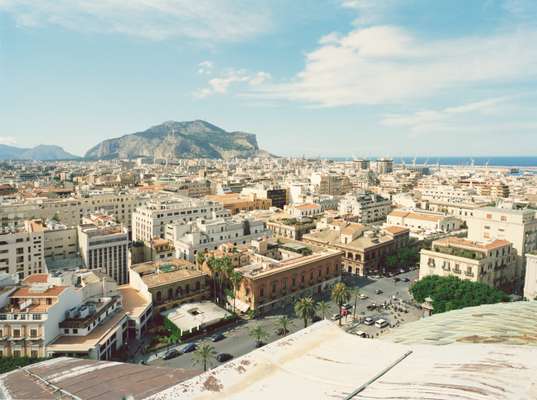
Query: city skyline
x=336, y=78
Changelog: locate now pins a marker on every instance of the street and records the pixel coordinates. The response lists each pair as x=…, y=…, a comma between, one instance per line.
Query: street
x=238, y=341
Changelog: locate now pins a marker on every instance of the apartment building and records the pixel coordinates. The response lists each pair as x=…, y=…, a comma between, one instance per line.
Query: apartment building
x=237, y=203
x=461, y=210
x=149, y=221
x=516, y=226
x=364, y=250
x=270, y=283
x=61, y=241
x=384, y=166
x=421, y=221
x=492, y=262
x=119, y=204
x=278, y=196
x=203, y=235
x=300, y=211
x=105, y=248
x=30, y=316
x=22, y=250
x=332, y=184
x=283, y=226
x=364, y=207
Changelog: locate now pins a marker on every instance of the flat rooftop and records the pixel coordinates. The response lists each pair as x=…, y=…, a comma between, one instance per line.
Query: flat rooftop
x=196, y=315
x=134, y=303
x=157, y=273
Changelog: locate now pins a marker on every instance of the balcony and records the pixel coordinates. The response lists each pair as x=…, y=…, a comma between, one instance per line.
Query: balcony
x=457, y=271
x=469, y=274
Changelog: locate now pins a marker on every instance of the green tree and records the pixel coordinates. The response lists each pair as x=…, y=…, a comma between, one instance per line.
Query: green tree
x=259, y=334
x=305, y=309
x=200, y=258
x=235, y=278
x=323, y=307
x=355, y=294
x=392, y=261
x=205, y=354
x=284, y=323
x=451, y=293
x=340, y=295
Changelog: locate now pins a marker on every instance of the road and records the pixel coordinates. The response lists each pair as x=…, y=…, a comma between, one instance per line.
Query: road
x=239, y=342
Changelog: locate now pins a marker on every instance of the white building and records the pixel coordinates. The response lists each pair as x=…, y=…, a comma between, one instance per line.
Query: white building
x=105, y=248
x=304, y=210
x=205, y=235
x=150, y=220
x=491, y=262
x=22, y=250
x=423, y=222
x=364, y=207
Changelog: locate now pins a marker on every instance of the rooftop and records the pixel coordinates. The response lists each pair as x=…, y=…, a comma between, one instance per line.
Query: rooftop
x=89, y=379
x=162, y=272
x=134, y=303
x=324, y=362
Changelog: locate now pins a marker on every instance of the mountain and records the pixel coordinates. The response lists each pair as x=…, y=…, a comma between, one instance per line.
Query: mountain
x=190, y=139
x=38, y=153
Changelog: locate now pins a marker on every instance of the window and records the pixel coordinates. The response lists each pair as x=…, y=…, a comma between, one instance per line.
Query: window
x=75, y=331
x=33, y=333
x=16, y=333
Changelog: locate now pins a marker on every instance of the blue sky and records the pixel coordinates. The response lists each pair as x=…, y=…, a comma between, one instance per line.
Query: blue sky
x=323, y=77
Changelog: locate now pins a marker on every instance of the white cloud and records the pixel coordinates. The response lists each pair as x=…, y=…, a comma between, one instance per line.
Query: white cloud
x=209, y=20
x=369, y=11
x=9, y=140
x=417, y=120
x=222, y=83
x=205, y=68
x=386, y=65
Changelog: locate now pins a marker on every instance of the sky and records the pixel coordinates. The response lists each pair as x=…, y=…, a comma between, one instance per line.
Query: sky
x=309, y=77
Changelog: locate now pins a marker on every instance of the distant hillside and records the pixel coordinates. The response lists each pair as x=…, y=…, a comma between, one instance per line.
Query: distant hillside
x=38, y=153
x=190, y=139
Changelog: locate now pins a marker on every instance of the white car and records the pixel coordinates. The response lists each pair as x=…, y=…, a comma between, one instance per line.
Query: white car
x=369, y=321
x=363, y=296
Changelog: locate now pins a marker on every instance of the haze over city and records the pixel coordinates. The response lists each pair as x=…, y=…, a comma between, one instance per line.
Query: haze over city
x=324, y=78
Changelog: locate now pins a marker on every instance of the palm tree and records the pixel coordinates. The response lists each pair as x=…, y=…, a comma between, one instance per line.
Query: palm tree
x=204, y=354
x=235, y=278
x=284, y=323
x=258, y=333
x=322, y=306
x=340, y=295
x=200, y=258
x=355, y=293
x=305, y=309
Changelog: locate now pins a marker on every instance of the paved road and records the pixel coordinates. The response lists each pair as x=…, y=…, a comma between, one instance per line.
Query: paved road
x=239, y=342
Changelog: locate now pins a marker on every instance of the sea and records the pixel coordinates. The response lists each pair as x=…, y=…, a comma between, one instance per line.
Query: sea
x=503, y=161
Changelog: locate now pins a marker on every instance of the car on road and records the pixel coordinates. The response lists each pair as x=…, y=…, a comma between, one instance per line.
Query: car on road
x=378, y=291
x=369, y=321
x=363, y=296
x=171, y=354
x=360, y=333
x=217, y=337
x=406, y=279
x=336, y=316
x=189, y=348
x=396, y=279
x=259, y=344
x=347, y=306
x=381, y=323
x=223, y=357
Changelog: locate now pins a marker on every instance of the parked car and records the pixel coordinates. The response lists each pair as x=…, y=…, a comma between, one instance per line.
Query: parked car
x=189, y=348
x=336, y=316
x=223, y=357
x=378, y=291
x=217, y=337
x=363, y=296
x=360, y=333
x=369, y=321
x=316, y=318
x=406, y=280
x=381, y=323
x=347, y=306
x=259, y=344
x=171, y=354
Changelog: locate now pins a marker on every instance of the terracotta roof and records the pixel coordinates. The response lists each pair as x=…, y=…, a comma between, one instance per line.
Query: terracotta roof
x=35, y=278
x=308, y=206
x=54, y=291
x=455, y=241
x=395, y=229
